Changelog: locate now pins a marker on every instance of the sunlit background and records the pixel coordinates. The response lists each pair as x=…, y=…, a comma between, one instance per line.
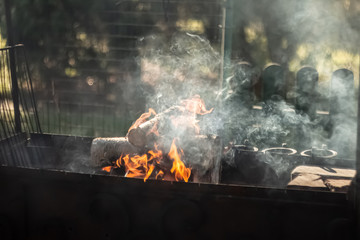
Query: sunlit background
x=90, y=69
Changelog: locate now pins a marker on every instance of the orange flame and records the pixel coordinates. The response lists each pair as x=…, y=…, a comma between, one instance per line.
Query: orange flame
x=107, y=169
x=160, y=174
x=179, y=169
x=137, y=166
x=140, y=166
x=196, y=105
x=143, y=166
x=143, y=118
x=151, y=169
x=157, y=155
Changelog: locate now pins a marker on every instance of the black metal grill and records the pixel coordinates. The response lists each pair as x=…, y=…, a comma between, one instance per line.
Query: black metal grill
x=18, y=108
x=45, y=195
x=59, y=201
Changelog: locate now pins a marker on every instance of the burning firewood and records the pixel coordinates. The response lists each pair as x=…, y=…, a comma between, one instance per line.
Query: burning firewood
x=181, y=117
x=106, y=150
x=200, y=152
x=147, y=131
x=203, y=152
x=146, y=151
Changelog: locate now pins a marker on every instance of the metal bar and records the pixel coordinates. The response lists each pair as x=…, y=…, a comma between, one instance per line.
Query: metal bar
x=27, y=70
x=152, y=13
x=9, y=47
x=222, y=48
x=357, y=177
x=14, y=83
x=9, y=29
x=159, y=1
x=9, y=124
x=227, y=37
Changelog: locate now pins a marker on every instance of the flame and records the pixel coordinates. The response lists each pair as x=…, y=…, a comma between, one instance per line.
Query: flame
x=151, y=169
x=138, y=166
x=143, y=118
x=179, y=169
x=196, y=105
x=143, y=166
x=107, y=169
x=135, y=166
x=157, y=155
x=160, y=174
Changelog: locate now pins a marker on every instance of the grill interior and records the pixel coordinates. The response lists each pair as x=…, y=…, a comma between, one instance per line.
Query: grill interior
x=293, y=182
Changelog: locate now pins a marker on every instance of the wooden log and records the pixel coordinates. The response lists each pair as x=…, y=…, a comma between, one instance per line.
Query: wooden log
x=240, y=88
x=306, y=103
x=306, y=91
x=145, y=132
x=273, y=81
x=338, y=185
x=307, y=181
x=320, y=178
x=343, y=114
x=203, y=155
x=342, y=97
x=340, y=173
x=106, y=150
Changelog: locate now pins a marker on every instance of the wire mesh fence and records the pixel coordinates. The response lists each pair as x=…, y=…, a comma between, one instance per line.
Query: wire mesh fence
x=90, y=96
x=18, y=111
x=82, y=119
x=17, y=102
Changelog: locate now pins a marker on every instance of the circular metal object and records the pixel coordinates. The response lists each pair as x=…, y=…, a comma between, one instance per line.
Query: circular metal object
x=280, y=150
x=245, y=148
x=321, y=153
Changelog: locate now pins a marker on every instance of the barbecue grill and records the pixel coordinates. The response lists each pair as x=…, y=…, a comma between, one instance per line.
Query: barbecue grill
x=55, y=186
x=50, y=190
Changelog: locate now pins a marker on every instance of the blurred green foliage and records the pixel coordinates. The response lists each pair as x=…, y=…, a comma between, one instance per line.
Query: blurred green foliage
x=47, y=27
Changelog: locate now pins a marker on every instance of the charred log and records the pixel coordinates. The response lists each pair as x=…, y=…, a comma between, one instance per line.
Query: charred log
x=147, y=132
x=203, y=155
x=106, y=150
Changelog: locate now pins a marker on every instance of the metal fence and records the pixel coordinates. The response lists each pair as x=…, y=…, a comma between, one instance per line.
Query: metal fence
x=81, y=119
x=17, y=102
x=89, y=99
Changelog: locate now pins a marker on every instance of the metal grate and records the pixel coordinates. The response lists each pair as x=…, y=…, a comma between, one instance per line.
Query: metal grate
x=18, y=110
